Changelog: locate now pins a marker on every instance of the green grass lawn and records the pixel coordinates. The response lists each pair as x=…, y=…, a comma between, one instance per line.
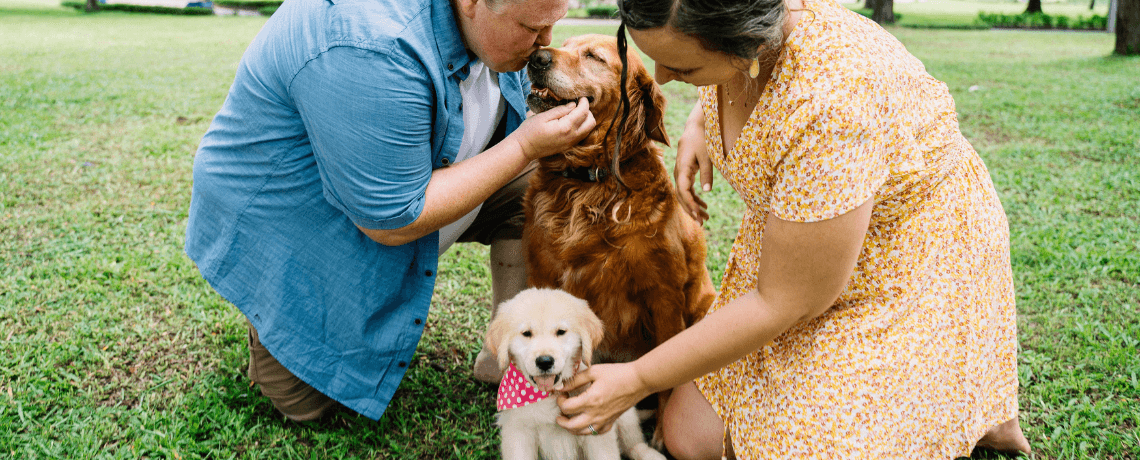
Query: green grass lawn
x=111, y=345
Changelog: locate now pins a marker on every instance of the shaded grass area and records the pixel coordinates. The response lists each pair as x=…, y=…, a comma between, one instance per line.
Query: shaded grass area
x=113, y=346
x=963, y=14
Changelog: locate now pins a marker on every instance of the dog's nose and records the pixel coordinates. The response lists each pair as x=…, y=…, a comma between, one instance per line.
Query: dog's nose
x=541, y=59
x=544, y=362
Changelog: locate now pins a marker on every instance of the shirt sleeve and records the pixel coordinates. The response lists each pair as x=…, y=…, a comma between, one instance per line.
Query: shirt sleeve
x=369, y=118
x=835, y=156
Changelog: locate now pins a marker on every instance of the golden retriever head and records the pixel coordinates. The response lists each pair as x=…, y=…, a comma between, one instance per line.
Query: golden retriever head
x=546, y=333
x=589, y=66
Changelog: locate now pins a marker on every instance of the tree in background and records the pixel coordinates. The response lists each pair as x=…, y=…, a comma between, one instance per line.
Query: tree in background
x=1127, y=27
x=1034, y=7
x=92, y=6
x=884, y=11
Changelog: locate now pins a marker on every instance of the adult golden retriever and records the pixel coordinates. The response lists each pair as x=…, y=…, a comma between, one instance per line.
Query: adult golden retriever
x=607, y=228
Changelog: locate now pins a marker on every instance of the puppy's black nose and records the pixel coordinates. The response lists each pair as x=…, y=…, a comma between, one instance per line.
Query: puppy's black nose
x=541, y=60
x=544, y=362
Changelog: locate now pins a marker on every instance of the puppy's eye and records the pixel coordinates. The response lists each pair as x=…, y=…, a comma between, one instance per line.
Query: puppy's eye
x=561, y=332
x=527, y=334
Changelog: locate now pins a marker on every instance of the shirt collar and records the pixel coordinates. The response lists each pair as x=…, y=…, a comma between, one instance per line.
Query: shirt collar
x=448, y=41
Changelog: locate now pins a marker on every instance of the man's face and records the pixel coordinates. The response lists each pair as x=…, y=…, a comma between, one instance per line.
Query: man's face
x=506, y=35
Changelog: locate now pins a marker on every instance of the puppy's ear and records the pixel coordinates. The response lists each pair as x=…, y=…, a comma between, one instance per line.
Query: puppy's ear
x=497, y=335
x=654, y=101
x=592, y=331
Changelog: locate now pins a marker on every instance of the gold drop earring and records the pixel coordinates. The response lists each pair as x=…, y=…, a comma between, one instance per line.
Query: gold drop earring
x=754, y=70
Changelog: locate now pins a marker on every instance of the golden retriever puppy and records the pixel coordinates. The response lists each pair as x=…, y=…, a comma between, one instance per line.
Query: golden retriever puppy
x=542, y=337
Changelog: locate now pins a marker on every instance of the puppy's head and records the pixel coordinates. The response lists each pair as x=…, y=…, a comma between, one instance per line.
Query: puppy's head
x=546, y=333
x=589, y=66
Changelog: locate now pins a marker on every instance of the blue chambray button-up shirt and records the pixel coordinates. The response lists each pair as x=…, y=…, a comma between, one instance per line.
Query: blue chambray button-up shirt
x=338, y=114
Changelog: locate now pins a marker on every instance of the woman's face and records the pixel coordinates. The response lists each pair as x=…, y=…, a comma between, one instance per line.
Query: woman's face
x=681, y=57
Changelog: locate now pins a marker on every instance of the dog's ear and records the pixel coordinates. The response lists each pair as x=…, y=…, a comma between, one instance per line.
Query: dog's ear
x=592, y=331
x=654, y=101
x=496, y=340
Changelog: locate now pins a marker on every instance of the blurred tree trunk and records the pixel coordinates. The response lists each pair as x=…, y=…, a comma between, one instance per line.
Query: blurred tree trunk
x=1092, y=4
x=869, y=5
x=92, y=6
x=1127, y=27
x=1034, y=7
x=884, y=12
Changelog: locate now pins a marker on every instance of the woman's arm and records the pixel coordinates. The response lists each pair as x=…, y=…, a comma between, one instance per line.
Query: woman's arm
x=693, y=157
x=803, y=269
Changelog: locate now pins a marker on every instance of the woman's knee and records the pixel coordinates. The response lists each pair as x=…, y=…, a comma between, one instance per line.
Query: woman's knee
x=692, y=429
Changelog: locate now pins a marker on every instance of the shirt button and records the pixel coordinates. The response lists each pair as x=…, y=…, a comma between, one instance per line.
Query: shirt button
x=445, y=161
x=402, y=364
x=451, y=67
x=427, y=273
x=419, y=321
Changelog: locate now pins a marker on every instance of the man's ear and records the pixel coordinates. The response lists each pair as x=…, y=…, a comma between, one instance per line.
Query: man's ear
x=467, y=7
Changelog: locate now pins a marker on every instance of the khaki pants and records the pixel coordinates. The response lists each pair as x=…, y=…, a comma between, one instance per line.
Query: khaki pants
x=501, y=218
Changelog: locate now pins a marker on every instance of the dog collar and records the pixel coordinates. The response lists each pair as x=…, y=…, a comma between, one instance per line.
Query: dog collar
x=515, y=391
x=584, y=174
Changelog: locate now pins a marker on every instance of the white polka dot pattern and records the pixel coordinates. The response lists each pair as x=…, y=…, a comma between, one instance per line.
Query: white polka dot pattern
x=515, y=391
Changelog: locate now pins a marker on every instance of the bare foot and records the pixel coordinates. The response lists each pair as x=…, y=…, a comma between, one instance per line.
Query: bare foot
x=1006, y=437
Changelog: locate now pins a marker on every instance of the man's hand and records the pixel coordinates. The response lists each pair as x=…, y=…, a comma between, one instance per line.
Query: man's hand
x=554, y=130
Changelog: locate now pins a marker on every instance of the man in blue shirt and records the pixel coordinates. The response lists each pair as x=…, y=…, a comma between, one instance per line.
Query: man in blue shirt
x=343, y=161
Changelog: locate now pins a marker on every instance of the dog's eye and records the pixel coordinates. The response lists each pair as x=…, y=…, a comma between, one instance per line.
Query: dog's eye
x=591, y=55
x=561, y=332
x=527, y=334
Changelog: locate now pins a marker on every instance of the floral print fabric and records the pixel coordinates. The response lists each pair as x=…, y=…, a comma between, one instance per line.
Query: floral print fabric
x=917, y=358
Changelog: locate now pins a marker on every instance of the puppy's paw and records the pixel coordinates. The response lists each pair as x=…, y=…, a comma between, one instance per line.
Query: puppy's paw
x=644, y=452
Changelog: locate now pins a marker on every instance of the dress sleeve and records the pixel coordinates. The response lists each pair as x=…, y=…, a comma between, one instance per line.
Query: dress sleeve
x=834, y=158
x=369, y=118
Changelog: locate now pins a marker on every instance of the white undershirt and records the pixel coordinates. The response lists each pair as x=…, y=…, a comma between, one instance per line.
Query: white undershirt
x=483, y=107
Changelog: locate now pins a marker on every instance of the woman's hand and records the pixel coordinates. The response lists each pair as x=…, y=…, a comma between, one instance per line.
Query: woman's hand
x=614, y=389
x=693, y=157
x=554, y=130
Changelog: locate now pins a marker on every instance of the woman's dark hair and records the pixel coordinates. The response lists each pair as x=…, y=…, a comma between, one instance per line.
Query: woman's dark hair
x=739, y=28
x=735, y=27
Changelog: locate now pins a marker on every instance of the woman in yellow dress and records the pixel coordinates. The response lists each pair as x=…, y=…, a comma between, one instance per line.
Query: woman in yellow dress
x=867, y=306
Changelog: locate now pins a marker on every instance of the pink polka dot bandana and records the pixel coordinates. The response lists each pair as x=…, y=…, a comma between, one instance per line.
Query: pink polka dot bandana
x=515, y=391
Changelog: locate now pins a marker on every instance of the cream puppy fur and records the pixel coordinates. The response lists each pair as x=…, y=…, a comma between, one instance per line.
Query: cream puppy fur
x=548, y=334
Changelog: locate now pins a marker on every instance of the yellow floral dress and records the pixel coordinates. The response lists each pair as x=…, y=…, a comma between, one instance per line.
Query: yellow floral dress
x=918, y=357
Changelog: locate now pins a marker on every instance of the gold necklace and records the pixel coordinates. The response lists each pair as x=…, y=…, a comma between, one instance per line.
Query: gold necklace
x=731, y=101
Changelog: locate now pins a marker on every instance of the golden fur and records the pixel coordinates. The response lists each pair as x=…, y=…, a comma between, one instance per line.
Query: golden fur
x=555, y=325
x=627, y=249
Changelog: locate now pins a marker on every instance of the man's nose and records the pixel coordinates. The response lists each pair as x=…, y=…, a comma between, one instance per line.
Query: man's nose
x=545, y=36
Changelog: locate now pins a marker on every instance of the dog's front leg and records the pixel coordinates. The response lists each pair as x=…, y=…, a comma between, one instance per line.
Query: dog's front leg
x=601, y=447
x=519, y=443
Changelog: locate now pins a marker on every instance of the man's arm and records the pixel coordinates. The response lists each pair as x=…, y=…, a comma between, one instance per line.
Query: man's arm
x=455, y=190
